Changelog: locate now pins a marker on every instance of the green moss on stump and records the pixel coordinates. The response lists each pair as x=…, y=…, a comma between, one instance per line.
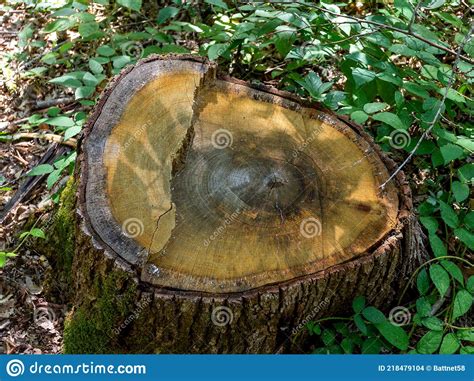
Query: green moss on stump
x=94, y=328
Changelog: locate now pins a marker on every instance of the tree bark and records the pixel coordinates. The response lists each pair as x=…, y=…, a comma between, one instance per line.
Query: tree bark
x=218, y=217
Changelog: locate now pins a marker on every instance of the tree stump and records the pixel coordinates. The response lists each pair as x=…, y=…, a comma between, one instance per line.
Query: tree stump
x=219, y=217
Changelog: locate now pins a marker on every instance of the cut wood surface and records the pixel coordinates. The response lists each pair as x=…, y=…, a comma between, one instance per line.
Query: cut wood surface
x=213, y=195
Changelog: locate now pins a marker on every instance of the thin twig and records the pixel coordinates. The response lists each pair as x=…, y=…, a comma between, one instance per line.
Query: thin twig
x=71, y=142
x=413, y=17
x=438, y=111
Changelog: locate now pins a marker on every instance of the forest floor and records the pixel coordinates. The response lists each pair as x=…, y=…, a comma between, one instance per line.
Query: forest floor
x=29, y=323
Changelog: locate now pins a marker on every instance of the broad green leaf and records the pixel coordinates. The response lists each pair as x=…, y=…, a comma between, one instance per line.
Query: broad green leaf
x=448, y=215
x=60, y=121
x=217, y=3
x=423, y=282
x=460, y=191
x=67, y=81
x=373, y=315
x=451, y=152
x=35, y=232
x=90, y=80
x=449, y=345
x=440, y=278
x=358, y=303
x=467, y=350
x=73, y=131
x=433, y=323
x=423, y=307
x=430, y=223
x=462, y=303
x=362, y=76
x=394, y=334
x=466, y=173
x=87, y=29
x=359, y=116
x=371, y=346
x=105, y=51
x=454, y=271
x=439, y=249
x=95, y=66
x=470, y=285
x=216, y=50
x=371, y=108
x=416, y=89
x=430, y=342
x=41, y=170
x=360, y=324
x=391, y=119
x=328, y=337
x=134, y=5
x=84, y=92
x=166, y=13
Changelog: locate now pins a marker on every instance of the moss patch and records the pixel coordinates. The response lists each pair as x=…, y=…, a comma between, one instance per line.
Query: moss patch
x=94, y=328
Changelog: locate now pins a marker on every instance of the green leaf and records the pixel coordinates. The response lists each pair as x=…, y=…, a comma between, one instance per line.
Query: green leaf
x=216, y=50
x=328, y=337
x=88, y=29
x=347, y=345
x=394, y=334
x=416, y=89
x=466, y=173
x=73, y=131
x=67, y=81
x=430, y=223
x=358, y=303
x=371, y=108
x=440, y=278
x=454, y=271
x=95, y=66
x=35, y=232
x=465, y=334
x=449, y=345
x=360, y=324
x=217, y=3
x=371, y=346
x=374, y=315
x=134, y=5
x=448, y=215
x=451, y=152
x=470, y=285
x=433, y=323
x=467, y=350
x=430, y=342
x=105, y=51
x=41, y=170
x=90, y=80
x=391, y=119
x=465, y=237
x=460, y=191
x=462, y=303
x=60, y=121
x=120, y=61
x=84, y=92
x=166, y=13
x=423, y=282
x=362, y=76
x=437, y=245
x=423, y=307
x=359, y=117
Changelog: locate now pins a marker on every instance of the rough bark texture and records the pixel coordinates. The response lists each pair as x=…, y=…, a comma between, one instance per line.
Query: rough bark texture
x=115, y=311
